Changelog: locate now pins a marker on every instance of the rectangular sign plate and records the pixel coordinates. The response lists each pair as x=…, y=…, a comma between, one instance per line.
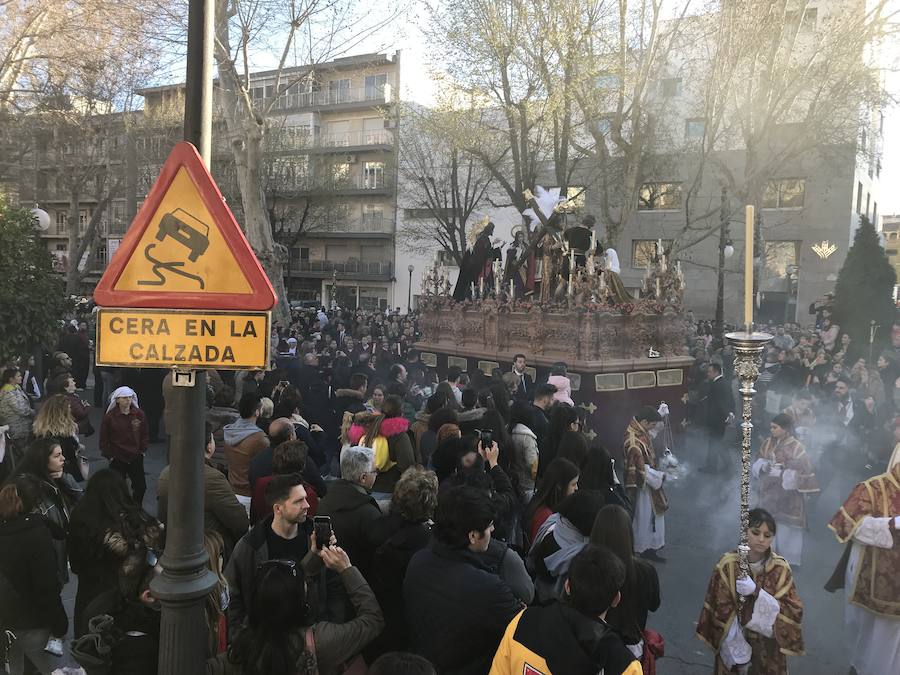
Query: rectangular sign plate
x=185, y=339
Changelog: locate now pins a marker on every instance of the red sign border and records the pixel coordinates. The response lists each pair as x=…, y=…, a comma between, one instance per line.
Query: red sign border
x=262, y=296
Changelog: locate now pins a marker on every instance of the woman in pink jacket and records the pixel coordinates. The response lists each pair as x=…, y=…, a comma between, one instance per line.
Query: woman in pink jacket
x=561, y=381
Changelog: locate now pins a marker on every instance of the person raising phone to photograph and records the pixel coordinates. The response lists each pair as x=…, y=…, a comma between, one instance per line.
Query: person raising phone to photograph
x=286, y=534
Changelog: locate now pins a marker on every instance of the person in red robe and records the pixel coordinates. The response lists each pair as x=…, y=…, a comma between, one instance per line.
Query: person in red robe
x=869, y=571
x=752, y=624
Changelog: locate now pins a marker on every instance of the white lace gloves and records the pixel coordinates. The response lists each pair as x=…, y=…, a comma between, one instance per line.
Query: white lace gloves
x=654, y=477
x=735, y=650
x=745, y=586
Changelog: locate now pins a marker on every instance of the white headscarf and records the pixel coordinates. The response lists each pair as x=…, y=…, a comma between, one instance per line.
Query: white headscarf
x=122, y=392
x=612, y=261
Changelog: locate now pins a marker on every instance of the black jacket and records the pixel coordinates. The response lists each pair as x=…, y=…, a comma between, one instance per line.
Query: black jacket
x=352, y=511
x=396, y=541
x=456, y=609
x=719, y=402
x=569, y=641
x=29, y=591
x=251, y=551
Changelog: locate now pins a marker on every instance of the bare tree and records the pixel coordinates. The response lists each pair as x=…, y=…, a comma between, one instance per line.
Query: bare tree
x=44, y=43
x=785, y=81
x=444, y=183
x=308, y=32
x=520, y=129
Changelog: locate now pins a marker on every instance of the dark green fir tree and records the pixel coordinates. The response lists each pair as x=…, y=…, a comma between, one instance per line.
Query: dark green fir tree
x=32, y=295
x=865, y=286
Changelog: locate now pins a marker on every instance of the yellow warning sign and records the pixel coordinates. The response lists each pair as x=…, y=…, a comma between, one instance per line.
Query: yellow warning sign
x=181, y=249
x=148, y=338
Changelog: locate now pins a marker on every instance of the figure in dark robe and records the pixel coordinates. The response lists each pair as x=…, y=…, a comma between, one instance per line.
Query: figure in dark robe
x=477, y=265
x=520, y=264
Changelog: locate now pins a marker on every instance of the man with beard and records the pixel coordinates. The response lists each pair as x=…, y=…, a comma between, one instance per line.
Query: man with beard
x=284, y=535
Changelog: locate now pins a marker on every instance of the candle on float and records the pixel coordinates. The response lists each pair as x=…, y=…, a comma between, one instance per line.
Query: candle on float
x=481, y=287
x=593, y=241
x=473, y=288
x=512, y=290
x=748, y=269
x=658, y=291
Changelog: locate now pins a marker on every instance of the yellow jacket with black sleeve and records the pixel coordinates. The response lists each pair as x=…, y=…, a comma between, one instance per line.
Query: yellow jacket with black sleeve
x=558, y=639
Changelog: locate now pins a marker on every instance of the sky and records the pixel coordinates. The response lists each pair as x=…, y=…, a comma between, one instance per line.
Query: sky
x=417, y=85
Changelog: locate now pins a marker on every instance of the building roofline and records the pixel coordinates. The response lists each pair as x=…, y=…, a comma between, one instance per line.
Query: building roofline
x=342, y=63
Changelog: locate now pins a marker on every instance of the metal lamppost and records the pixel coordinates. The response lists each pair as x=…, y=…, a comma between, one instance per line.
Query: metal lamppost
x=409, y=290
x=334, y=288
x=726, y=250
x=186, y=579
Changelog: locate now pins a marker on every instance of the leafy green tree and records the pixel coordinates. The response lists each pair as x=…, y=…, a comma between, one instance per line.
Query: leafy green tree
x=865, y=285
x=32, y=295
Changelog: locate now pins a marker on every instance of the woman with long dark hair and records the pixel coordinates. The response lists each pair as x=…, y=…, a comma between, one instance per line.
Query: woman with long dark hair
x=56, y=492
x=599, y=473
x=559, y=481
x=55, y=420
x=640, y=593
x=280, y=638
x=31, y=605
x=105, y=527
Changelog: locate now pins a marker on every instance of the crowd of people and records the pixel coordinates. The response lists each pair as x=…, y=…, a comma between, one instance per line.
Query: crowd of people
x=364, y=514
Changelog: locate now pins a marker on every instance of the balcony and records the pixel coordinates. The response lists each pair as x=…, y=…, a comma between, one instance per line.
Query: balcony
x=343, y=98
x=348, y=269
x=369, y=226
x=349, y=141
x=373, y=183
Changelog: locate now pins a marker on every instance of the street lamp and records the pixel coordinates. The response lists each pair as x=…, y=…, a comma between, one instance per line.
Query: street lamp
x=726, y=250
x=41, y=217
x=409, y=289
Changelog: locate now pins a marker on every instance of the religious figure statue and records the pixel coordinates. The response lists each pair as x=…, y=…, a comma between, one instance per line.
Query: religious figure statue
x=477, y=263
x=520, y=262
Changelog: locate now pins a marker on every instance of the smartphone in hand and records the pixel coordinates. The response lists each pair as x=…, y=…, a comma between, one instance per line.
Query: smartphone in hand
x=322, y=528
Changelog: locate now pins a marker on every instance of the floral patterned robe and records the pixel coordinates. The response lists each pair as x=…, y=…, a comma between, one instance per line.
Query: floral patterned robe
x=787, y=506
x=720, y=609
x=877, y=583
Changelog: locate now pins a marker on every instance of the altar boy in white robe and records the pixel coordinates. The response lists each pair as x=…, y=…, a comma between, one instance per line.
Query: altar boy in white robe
x=644, y=483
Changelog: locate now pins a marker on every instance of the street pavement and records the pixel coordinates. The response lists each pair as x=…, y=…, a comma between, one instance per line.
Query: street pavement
x=701, y=524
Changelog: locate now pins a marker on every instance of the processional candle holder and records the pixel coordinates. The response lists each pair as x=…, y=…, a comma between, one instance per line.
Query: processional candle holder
x=748, y=348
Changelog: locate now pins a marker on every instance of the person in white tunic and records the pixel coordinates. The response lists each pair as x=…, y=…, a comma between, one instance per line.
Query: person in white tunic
x=644, y=484
x=869, y=571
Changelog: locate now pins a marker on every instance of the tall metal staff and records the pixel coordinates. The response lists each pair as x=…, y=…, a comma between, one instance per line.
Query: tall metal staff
x=748, y=348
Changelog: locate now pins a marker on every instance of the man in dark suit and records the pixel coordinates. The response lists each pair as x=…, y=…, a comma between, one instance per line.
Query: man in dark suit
x=847, y=418
x=525, y=390
x=543, y=399
x=719, y=414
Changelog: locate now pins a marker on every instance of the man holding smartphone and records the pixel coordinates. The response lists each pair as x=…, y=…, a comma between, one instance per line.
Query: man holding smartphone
x=287, y=534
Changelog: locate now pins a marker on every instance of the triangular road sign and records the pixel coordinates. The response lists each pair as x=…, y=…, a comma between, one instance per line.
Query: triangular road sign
x=184, y=249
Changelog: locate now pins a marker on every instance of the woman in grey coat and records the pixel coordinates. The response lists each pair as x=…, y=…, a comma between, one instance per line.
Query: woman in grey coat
x=280, y=638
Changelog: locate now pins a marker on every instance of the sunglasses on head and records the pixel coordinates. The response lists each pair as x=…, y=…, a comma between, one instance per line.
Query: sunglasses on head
x=289, y=565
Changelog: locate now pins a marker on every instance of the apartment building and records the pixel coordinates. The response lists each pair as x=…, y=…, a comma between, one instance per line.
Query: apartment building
x=329, y=176
x=329, y=173
x=87, y=168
